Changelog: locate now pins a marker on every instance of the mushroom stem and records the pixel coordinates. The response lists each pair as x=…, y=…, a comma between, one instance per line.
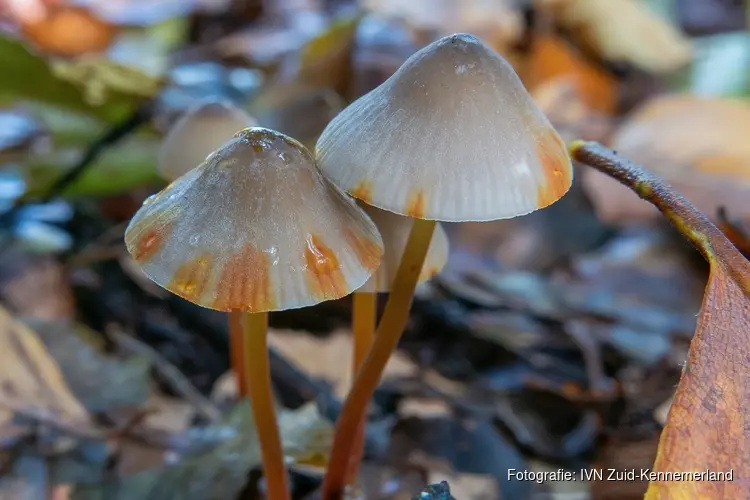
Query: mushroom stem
x=388, y=334
x=236, y=352
x=363, y=328
x=258, y=373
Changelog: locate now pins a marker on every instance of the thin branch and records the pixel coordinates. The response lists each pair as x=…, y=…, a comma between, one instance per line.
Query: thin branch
x=695, y=226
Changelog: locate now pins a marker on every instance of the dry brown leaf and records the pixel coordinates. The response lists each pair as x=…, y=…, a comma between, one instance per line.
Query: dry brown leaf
x=66, y=30
x=708, y=426
x=699, y=145
x=625, y=31
x=330, y=358
x=31, y=383
x=551, y=58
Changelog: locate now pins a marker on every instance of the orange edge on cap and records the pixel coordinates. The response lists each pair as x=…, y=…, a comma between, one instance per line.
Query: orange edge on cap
x=150, y=242
x=368, y=252
x=417, y=204
x=192, y=277
x=363, y=191
x=245, y=283
x=323, y=273
x=556, y=168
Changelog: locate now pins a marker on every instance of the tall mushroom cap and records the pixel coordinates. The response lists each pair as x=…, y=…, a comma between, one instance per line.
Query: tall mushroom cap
x=395, y=230
x=257, y=228
x=452, y=136
x=197, y=133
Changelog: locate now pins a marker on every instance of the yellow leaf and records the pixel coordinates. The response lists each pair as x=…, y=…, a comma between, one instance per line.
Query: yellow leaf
x=708, y=426
x=625, y=31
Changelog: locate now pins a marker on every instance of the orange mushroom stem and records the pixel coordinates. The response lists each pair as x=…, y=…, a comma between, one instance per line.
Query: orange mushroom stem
x=388, y=333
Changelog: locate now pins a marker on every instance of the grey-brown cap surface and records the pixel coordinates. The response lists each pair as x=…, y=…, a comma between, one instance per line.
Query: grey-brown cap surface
x=452, y=135
x=256, y=228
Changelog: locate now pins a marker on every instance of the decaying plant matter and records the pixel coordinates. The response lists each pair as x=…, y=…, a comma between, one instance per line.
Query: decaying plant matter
x=710, y=415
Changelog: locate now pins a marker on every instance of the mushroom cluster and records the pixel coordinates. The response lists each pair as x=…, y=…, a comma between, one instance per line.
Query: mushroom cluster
x=256, y=223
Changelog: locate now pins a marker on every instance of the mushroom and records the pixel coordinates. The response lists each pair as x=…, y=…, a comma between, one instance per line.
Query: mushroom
x=451, y=136
x=256, y=228
x=197, y=133
x=394, y=229
x=201, y=130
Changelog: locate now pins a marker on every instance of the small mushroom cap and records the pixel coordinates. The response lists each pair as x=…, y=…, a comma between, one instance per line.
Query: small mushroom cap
x=395, y=231
x=199, y=132
x=256, y=228
x=452, y=136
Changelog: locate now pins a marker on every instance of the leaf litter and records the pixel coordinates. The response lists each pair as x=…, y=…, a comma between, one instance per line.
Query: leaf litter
x=555, y=340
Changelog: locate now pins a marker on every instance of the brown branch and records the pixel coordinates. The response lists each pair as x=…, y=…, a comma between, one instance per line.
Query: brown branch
x=695, y=226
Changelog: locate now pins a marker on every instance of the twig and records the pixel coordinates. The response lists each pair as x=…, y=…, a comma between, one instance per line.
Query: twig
x=695, y=226
x=176, y=379
x=113, y=136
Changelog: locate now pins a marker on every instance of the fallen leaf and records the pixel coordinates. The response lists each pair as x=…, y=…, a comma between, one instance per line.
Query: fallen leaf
x=30, y=77
x=699, y=145
x=100, y=78
x=708, y=426
x=67, y=30
x=552, y=58
x=625, y=31
x=31, y=383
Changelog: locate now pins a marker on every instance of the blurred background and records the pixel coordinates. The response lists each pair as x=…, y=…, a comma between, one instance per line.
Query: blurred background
x=549, y=341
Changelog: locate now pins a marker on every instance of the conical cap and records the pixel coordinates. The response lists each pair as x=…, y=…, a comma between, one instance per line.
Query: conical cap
x=452, y=136
x=255, y=228
x=395, y=229
x=197, y=133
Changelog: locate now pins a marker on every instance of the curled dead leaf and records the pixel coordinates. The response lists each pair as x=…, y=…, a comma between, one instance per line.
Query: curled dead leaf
x=708, y=426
